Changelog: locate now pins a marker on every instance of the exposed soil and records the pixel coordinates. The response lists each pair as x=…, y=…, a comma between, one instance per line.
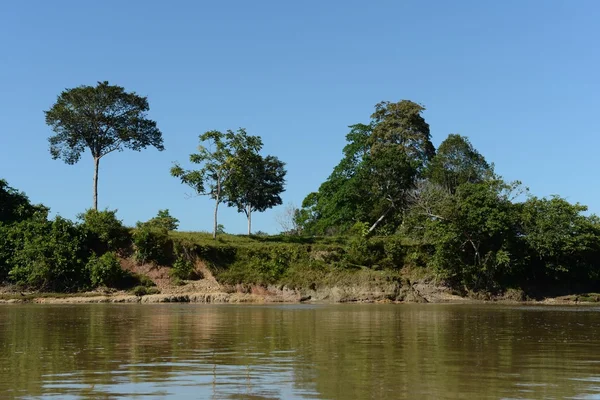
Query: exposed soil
x=208, y=290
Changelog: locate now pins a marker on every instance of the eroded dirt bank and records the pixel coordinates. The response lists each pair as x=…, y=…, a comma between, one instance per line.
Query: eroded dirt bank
x=209, y=290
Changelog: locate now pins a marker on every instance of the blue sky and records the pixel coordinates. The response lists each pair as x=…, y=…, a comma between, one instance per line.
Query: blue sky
x=519, y=78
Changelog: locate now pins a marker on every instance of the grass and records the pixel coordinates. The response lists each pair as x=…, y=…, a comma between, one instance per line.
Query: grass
x=205, y=238
x=296, y=261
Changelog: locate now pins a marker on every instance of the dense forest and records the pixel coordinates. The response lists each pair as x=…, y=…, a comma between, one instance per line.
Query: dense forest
x=394, y=205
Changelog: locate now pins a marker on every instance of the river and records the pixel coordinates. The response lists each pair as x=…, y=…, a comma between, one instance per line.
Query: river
x=406, y=351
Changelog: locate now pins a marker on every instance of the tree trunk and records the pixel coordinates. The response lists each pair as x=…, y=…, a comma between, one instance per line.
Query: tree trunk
x=215, y=222
x=379, y=220
x=96, y=165
x=249, y=214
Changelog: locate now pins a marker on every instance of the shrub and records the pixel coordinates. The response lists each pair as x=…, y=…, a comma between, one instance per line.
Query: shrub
x=357, y=251
x=182, y=268
x=106, y=270
x=152, y=244
x=49, y=255
x=164, y=220
x=105, y=231
x=395, y=251
x=144, y=290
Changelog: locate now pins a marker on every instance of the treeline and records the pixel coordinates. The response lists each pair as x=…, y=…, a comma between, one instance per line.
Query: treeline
x=60, y=255
x=394, y=201
x=471, y=227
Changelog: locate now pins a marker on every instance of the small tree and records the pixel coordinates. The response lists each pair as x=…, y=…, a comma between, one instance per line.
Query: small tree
x=256, y=184
x=164, y=220
x=102, y=119
x=218, y=164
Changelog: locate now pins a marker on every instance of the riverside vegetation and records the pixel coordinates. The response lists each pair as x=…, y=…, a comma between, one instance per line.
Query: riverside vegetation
x=393, y=212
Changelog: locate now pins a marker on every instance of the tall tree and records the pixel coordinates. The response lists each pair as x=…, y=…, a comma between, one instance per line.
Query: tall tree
x=458, y=162
x=381, y=162
x=103, y=119
x=256, y=184
x=342, y=199
x=402, y=126
x=218, y=162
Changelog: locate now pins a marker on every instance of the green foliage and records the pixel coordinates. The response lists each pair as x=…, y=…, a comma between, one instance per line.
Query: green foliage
x=381, y=162
x=360, y=229
x=164, y=220
x=103, y=118
x=255, y=184
x=218, y=161
x=401, y=126
x=15, y=206
x=144, y=280
x=457, y=162
x=106, y=270
x=104, y=230
x=152, y=244
x=562, y=242
x=365, y=252
x=395, y=251
x=144, y=290
x=264, y=264
x=183, y=268
x=48, y=255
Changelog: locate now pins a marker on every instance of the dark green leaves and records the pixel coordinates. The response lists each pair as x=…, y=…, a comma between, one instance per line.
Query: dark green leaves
x=102, y=119
x=457, y=162
x=256, y=183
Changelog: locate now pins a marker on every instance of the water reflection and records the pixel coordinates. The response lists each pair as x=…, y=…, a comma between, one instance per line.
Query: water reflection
x=269, y=352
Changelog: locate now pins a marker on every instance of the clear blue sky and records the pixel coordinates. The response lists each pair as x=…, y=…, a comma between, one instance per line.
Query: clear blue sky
x=519, y=78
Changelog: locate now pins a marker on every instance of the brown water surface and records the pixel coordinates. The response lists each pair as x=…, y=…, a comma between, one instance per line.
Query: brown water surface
x=299, y=351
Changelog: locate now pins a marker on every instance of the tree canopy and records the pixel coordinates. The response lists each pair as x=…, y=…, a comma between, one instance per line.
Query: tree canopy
x=255, y=184
x=233, y=171
x=103, y=119
x=381, y=162
x=457, y=162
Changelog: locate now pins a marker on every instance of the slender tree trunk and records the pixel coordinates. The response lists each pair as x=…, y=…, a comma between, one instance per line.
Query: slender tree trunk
x=217, y=200
x=380, y=219
x=249, y=214
x=96, y=166
x=215, y=222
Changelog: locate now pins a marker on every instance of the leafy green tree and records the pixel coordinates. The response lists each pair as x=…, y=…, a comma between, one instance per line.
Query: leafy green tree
x=218, y=162
x=389, y=175
x=152, y=244
x=106, y=270
x=401, y=125
x=563, y=243
x=457, y=162
x=255, y=184
x=342, y=199
x=164, y=220
x=473, y=233
x=15, y=205
x=103, y=119
x=381, y=163
x=104, y=231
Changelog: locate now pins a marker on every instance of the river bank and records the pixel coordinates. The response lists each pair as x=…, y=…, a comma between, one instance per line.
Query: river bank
x=208, y=291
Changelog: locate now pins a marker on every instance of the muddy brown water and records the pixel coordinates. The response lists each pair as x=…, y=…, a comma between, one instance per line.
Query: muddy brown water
x=407, y=351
